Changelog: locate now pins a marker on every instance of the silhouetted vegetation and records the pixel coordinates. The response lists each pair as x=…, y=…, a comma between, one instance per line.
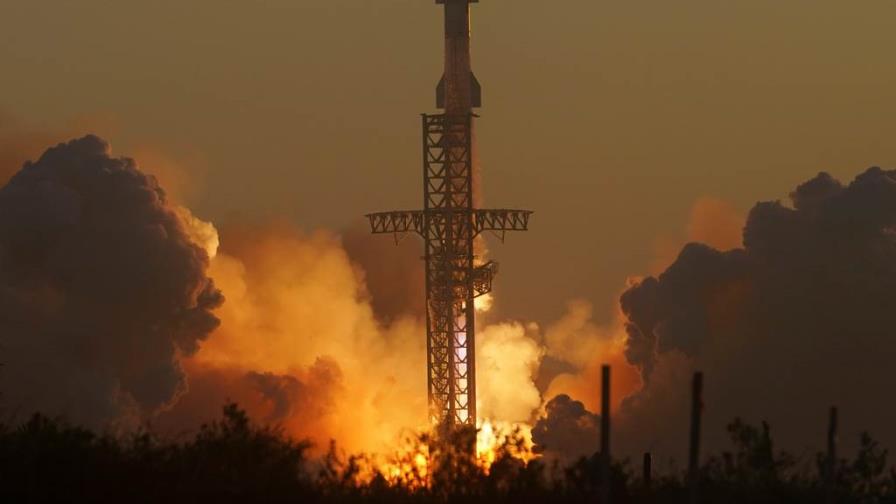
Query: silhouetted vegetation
x=234, y=460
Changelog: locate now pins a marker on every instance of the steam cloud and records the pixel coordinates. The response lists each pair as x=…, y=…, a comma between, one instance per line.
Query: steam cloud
x=300, y=344
x=798, y=319
x=507, y=359
x=567, y=430
x=106, y=305
x=101, y=288
x=392, y=273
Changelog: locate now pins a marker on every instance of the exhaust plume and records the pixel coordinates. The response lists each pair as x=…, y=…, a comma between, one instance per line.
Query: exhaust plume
x=392, y=273
x=507, y=360
x=796, y=320
x=102, y=288
x=567, y=430
x=300, y=345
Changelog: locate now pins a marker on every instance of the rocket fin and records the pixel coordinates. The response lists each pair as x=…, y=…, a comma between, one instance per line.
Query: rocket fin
x=475, y=91
x=440, y=93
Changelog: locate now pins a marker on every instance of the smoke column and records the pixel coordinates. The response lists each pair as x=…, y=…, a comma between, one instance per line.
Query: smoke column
x=109, y=316
x=797, y=319
x=102, y=289
x=300, y=344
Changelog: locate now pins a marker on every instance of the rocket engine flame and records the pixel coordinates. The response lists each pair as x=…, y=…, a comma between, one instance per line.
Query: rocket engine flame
x=298, y=344
x=483, y=303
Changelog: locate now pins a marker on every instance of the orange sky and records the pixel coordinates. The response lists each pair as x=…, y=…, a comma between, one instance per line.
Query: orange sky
x=610, y=119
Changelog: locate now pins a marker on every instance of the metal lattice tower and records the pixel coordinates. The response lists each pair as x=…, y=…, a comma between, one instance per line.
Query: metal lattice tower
x=449, y=224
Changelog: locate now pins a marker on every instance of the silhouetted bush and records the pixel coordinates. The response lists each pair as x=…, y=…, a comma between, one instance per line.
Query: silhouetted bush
x=233, y=460
x=229, y=460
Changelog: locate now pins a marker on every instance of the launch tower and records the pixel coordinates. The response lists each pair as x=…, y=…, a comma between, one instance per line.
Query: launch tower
x=449, y=223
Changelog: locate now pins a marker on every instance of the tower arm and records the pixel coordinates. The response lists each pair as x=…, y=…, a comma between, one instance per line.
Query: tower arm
x=395, y=222
x=501, y=220
x=483, y=276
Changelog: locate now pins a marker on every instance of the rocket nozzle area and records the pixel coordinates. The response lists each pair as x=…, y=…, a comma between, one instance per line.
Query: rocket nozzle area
x=475, y=92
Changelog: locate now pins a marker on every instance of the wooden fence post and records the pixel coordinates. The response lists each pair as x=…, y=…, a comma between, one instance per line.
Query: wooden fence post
x=694, y=452
x=605, y=434
x=646, y=470
x=830, y=477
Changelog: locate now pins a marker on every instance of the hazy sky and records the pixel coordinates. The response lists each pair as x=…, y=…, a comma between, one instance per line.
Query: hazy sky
x=609, y=119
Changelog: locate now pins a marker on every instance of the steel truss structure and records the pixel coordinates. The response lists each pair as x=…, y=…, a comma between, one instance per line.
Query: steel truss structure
x=449, y=225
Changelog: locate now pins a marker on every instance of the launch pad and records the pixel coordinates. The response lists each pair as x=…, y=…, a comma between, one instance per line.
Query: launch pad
x=449, y=224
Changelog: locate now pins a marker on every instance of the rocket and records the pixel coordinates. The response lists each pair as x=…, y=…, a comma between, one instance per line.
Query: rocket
x=458, y=92
x=449, y=224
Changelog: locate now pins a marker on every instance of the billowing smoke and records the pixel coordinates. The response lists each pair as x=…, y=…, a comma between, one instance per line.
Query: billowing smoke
x=393, y=272
x=797, y=320
x=300, y=401
x=300, y=345
x=576, y=347
x=567, y=430
x=712, y=221
x=19, y=143
x=102, y=288
x=585, y=346
x=108, y=314
x=108, y=308
x=507, y=360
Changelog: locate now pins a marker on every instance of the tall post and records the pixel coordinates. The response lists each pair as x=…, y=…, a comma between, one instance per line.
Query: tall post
x=830, y=469
x=605, y=434
x=646, y=470
x=694, y=451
